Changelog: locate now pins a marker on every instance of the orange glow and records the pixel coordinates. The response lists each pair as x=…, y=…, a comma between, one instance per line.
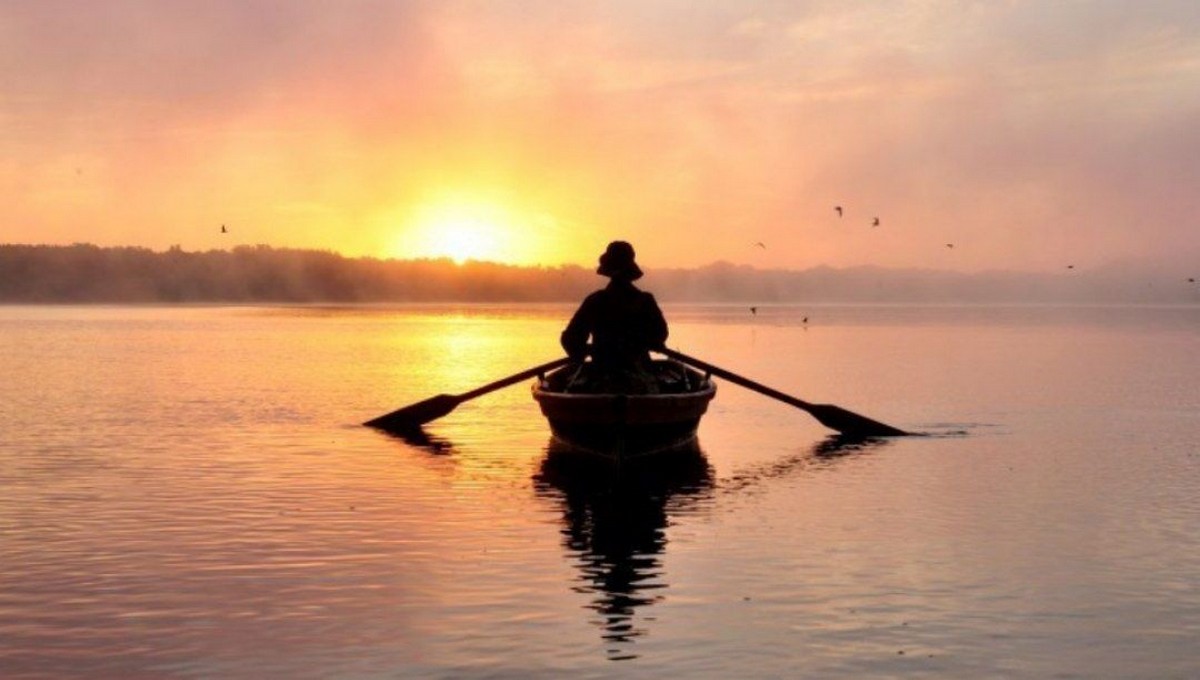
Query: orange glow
x=470, y=130
x=464, y=225
x=460, y=231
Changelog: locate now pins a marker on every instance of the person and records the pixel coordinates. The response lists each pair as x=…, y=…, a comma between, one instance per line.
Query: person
x=624, y=324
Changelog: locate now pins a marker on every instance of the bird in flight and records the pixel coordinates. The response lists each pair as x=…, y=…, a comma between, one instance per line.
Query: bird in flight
x=875, y=223
x=760, y=245
x=224, y=230
x=949, y=245
x=1191, y=280
x=754, y=310
x=1070, y=266
x=838, y=208
x=804, y=320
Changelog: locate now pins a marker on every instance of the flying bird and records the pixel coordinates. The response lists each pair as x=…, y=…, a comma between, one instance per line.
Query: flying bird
x=1191, y=280
x=760, y=245
x=838, y=208
x=949, y=245
x=804, y=320
x=875, y=223
x=224, y=230
x=754, y=310
x=1070, y=266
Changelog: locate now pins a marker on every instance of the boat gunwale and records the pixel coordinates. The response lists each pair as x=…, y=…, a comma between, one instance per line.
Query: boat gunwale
x=539, y=390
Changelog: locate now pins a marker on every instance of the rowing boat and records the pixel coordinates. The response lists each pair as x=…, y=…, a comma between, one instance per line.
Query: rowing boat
x=620, y=426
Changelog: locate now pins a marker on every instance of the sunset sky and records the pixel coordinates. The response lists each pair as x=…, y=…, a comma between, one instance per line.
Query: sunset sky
x=1029, y=133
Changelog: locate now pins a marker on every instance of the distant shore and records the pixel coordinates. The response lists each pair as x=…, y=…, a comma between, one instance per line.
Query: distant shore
x=84, y=273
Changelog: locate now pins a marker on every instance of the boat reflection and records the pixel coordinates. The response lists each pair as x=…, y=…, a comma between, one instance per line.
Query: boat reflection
x=614, y=522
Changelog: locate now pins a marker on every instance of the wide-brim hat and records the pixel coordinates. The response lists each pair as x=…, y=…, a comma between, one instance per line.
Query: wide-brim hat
x=617, y=262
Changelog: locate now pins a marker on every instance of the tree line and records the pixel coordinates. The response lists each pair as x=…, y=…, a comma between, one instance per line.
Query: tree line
x=85, y=273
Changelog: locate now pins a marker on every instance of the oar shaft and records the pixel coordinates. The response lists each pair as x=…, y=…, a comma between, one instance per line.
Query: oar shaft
x=737, y=379
x=512, y=379
x=415, y=415
x=833, y=417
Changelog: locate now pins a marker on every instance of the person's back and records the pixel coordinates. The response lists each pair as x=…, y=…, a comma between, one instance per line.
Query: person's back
x=624, y=323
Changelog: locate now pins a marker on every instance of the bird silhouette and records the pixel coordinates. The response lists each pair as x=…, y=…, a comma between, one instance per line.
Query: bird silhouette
x=875, y=223
x=804, y=320
x=1070, y=266
x=838, y=208
x=949, y=245
x=224, y=230
x=760, y=245
x=1191, y=280
x=754, y=310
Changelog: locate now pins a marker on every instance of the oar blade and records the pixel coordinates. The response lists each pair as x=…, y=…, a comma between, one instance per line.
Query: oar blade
x=415, y=415
x=850, y=423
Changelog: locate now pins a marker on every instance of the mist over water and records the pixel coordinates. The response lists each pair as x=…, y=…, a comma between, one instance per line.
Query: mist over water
x=188, y=493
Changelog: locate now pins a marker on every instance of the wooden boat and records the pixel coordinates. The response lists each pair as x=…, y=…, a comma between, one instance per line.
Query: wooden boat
x=621, y=426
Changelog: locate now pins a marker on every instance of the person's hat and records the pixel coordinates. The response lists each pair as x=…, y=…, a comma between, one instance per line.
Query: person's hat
x=617, y=262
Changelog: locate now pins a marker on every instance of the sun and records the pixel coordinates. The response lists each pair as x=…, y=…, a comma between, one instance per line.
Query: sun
x=478, y=224
x=460, y=229
x=463, y=232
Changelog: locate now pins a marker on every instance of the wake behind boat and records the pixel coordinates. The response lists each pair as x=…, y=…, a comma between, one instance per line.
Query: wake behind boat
x=622, y=426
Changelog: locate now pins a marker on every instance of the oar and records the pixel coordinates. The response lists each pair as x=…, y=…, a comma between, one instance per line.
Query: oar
x=833, y=417
x=415, y=415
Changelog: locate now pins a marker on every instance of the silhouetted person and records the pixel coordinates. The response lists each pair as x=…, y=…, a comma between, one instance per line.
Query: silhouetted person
x=624, y=324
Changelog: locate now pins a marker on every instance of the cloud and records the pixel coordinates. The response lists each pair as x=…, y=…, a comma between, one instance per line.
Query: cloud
x=188, y=50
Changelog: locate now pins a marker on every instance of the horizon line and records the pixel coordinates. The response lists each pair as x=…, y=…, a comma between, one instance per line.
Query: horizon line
x=1109, y=264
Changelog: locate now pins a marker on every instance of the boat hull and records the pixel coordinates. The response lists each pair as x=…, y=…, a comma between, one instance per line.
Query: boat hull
x=624, y=425
x=625, y=441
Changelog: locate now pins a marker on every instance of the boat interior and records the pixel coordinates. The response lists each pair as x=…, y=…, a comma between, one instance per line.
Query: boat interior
x=665, y=376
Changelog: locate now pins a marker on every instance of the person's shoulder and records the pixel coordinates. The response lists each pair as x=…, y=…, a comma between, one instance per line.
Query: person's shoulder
x=595, y=296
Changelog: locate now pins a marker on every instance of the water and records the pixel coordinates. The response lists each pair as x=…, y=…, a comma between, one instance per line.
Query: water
x=187, y=494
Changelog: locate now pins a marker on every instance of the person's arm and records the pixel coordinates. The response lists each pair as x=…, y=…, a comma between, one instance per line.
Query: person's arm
x=574, y=338
x=656, y=324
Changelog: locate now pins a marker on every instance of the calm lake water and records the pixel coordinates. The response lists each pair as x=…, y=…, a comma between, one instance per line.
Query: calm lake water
x=187, y=494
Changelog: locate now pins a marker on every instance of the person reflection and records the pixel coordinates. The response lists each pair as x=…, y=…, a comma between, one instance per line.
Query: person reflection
x=614, y=525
